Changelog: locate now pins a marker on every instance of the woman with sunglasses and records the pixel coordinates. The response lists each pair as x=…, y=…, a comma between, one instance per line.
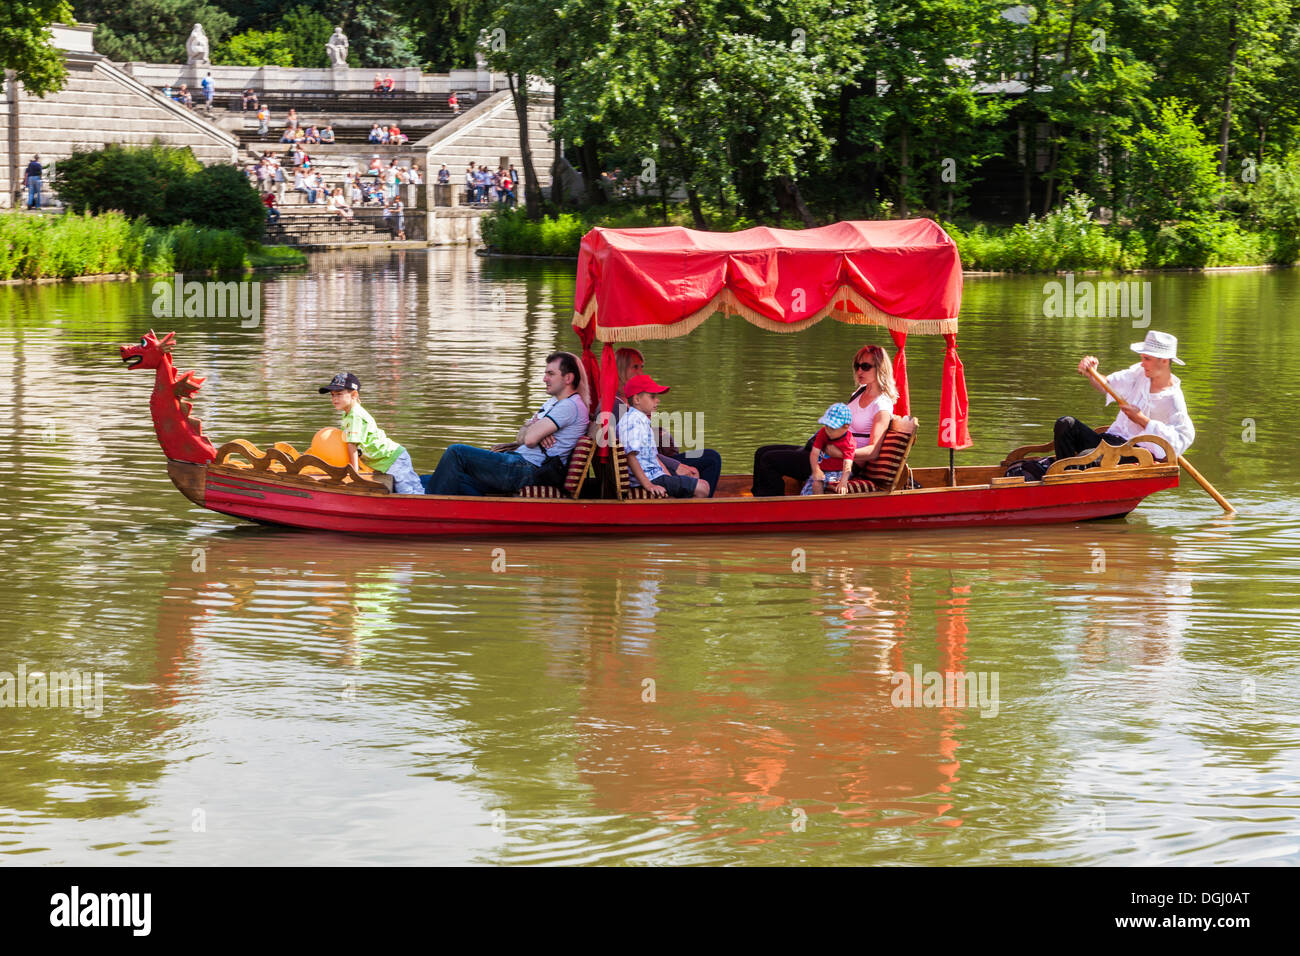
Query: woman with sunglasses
x=872, y=405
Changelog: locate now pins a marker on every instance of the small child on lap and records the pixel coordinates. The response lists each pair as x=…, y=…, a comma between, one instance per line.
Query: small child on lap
x=636, y=435
x=832, y=446
x=366, y=440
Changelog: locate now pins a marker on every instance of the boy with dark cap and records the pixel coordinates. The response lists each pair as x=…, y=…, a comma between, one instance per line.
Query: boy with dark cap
x=366, y=440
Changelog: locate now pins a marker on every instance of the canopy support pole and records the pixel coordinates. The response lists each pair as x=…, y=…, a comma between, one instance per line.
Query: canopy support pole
x=952, y=469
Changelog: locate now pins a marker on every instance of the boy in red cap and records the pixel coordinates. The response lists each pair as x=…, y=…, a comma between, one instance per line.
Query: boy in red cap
x=636, y=435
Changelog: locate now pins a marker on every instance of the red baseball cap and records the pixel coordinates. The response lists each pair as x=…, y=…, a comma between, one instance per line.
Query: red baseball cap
x=642, y=383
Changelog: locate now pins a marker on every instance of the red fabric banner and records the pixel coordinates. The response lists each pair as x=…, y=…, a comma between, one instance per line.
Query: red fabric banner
x=954, y=409
x=636, y=284
x=902, y=405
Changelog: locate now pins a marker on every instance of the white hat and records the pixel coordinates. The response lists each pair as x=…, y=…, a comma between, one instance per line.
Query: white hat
x=1159, y=345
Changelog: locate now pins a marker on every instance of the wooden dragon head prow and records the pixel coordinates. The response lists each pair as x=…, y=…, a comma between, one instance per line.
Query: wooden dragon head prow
x=179, y=433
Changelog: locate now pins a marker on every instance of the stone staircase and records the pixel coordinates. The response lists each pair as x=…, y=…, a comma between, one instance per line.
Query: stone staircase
x=314, y=227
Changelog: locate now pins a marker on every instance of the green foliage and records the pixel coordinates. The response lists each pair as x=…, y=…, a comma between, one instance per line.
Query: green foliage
x=152, y=31
x=306, y=31
x=255, y=48
x=1172, y=172
x=1067, y=238
x=218, y=196
x=379, y=39
x=510, y=231
x=25, y=43
x=163, y=184
x=1273, y=203
x=138, y=180
x=36, y=247
x=1070, y=239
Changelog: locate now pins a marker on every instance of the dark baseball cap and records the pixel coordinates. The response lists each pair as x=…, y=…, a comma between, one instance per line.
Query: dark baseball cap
x=342, y=382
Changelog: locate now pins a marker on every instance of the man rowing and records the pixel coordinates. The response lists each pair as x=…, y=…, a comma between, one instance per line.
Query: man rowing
x=1153, y=403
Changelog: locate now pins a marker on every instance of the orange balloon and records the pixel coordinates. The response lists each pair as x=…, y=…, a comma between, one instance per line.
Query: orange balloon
x=328, y=445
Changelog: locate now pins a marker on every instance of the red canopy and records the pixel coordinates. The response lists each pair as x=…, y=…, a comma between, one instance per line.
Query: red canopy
x=636, y=284
x=658, y=283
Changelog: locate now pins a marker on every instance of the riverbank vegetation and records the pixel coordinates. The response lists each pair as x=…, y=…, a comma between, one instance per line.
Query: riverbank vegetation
x=141, y=210
x=110, y=243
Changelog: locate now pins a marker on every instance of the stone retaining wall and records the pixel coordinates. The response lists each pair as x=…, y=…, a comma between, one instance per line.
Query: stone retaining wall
x=99, y=105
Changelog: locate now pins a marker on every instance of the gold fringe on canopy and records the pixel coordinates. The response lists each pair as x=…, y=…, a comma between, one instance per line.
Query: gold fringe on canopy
x=727, y=303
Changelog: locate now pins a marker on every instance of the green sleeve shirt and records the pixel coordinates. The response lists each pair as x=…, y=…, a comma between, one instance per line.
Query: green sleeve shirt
x=373, y=447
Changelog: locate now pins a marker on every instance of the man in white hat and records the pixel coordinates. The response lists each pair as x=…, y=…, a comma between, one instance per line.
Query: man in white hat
x=1153, y=403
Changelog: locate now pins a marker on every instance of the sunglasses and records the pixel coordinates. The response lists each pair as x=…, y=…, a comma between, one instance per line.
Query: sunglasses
x=863, y=366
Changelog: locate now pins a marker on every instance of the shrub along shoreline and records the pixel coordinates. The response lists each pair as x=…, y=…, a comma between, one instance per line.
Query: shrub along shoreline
x=73, y=246
x=1068, y=238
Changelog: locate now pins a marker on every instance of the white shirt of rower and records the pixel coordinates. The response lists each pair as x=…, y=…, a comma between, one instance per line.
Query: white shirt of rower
x=1166, y=409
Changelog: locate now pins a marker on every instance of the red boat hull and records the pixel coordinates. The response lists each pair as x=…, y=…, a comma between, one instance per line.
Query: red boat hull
x=280, y=501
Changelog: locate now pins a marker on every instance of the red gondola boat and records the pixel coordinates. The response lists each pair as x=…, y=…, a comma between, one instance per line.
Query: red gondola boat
x=636, y=284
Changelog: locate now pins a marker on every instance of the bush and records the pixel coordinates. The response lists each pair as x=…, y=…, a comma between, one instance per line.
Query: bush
x=138, y=180
x=218, y=195
x=163, y=184
x=511, y=232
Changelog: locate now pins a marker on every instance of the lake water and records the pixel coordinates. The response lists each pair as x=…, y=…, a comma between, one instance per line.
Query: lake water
x=286, y=697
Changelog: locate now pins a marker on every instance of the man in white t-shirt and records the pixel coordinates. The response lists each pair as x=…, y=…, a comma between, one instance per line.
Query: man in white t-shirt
x=551, y=433
x=1153, y=403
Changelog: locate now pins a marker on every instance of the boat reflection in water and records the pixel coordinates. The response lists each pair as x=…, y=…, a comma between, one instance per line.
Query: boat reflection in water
x=720, y=691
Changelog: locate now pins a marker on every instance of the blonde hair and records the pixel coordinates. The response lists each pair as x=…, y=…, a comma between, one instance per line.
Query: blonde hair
x=623, y=358
x=884, y=371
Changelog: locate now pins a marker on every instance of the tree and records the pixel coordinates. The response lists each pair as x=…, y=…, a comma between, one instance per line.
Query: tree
x=1171, y=170
x=306, y=31
x=1226, y=54
x=255, y=48
x=379, y=38
x=151, y=31
x=25, y=43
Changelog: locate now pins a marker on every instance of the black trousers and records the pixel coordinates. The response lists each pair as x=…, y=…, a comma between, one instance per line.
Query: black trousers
x=772, y=463
x=1072, y=437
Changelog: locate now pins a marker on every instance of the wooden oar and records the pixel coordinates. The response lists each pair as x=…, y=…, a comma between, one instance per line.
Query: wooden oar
x=1182, y=462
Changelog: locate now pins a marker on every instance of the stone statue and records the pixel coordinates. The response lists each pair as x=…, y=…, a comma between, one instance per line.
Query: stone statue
x=196, y=47
x=337, y=48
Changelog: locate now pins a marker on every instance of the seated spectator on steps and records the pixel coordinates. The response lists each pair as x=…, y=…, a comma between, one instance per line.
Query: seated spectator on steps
x=389, y=85
x=375, y=135
x=272, y=214
x=327, y=134
x=338, y=204
x=312, y=135
x=379, y=83
x=248, y=101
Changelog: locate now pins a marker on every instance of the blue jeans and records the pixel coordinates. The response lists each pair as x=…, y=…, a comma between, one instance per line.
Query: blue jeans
x=466, y=470
x=34, y=192
x=405, y=480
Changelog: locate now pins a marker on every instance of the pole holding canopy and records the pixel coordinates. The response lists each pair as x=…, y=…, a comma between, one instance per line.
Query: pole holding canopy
x=659, y=283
